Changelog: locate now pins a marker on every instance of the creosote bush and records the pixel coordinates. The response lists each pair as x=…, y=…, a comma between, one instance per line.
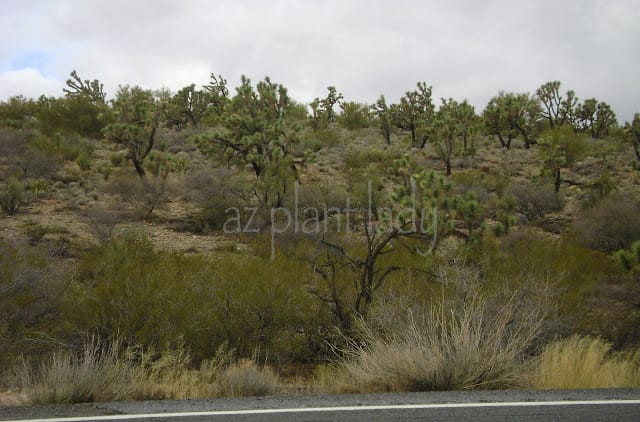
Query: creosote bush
x=151, y=298
x=12, y=196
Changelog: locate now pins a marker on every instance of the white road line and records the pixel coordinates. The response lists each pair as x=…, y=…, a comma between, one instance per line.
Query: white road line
x=333, y=409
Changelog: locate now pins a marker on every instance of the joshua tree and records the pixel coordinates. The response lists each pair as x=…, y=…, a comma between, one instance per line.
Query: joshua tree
x=556, y=109
x=384, y=118
x=256, y=134
x=136, y=121
x=415, y=113
x=91, y=89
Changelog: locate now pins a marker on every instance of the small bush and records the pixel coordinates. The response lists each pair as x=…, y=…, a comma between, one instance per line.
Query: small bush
x=354, y=116
x=326, y=137
x=101, y=223
x=611, y=225
x=144, y=195
x=584, y=362
x=118, y=159
x=84, y=161
x=36, y=232
x=12, y=196
x=534, y=201
x=215, y=190
x=75, y=149
x=362, y=158
x=629, y=259
x=246, y=379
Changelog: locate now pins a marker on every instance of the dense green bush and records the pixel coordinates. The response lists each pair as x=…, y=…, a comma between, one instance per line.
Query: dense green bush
x=126, y=289
x=568, y=276
x=354, y=116
x=29, y=295
x=12, y=196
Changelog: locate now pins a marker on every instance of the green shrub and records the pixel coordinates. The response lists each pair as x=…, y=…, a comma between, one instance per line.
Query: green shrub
x=84, y=161
x=363, y=158
x=126, y=289
x=155, y=299
x=30, y=288
x=74, y=148
x=629, y=259
x=328, y=137
x=12, y=196
x=568, y=276
x=118, y=159
x=354, y=116
x=143, y=195
x=36, y=232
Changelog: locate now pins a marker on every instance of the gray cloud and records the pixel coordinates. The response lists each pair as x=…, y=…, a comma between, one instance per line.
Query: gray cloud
x=465, y=49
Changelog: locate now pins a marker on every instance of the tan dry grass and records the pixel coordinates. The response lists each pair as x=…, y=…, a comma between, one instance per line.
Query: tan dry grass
x=443, y=350
x=96, y=375
x=585, y=362
x=106, y=375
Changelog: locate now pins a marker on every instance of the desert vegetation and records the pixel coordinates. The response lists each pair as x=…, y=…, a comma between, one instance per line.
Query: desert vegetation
x=222, y=241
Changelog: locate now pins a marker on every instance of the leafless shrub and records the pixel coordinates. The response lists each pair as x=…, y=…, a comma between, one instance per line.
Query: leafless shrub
x=534, y=201
x=215, y=190
x=143, y=194
x=611, y=225
x=102, y=222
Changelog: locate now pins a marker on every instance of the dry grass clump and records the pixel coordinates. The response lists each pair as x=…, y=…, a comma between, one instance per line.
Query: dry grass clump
x=585, y=362
x=246, y=379
x=445, y=349
x=106, y=375
x=63, y=377
x=170, y=377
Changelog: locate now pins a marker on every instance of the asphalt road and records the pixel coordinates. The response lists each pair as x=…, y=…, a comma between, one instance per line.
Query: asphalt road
x=570, y=405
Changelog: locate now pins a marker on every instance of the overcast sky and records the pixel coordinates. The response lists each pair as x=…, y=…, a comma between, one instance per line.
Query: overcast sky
x=464, y=49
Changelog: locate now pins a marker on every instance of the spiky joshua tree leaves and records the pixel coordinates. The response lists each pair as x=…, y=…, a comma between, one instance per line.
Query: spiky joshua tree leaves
x=558, y=148
x=415, y=113
x=257, y=134
x=595, y=118
x=556, y=109
x=190, y=106
x=632, y=134
x=93, y=90
x=135, y=123
x=424, y=212
x=384, y=117
x=438, y=212
x=323, y=110
x=508, y=115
